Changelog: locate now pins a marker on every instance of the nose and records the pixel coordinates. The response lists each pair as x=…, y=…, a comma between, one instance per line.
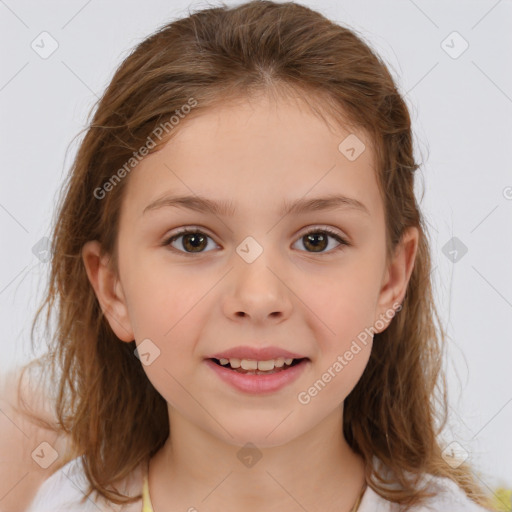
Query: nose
x=258, y=290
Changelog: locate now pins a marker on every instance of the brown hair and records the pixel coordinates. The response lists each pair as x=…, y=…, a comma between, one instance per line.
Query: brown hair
x=210, y=57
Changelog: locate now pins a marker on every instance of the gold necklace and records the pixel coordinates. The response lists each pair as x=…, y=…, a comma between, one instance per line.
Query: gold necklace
x=359, y=498
x=147, y=500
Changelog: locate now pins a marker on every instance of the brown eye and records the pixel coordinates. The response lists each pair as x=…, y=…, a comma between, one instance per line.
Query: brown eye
x=193, y=241
x=318, y=240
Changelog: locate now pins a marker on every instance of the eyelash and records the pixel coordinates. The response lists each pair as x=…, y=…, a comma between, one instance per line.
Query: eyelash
x=342, y=241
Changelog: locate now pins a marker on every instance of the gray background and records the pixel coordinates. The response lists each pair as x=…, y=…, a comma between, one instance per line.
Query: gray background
x=461, y=105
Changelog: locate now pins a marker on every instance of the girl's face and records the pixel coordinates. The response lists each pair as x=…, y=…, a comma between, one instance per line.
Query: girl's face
x=251, y=277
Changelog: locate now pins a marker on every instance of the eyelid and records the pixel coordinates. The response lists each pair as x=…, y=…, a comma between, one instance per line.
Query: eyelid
x=326, y=229
x=186, y=230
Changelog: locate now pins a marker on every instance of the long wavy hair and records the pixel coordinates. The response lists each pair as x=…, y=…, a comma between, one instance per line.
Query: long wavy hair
x=104, y=400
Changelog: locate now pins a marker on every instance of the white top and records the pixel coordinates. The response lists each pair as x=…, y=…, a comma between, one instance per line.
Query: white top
x=62, y=492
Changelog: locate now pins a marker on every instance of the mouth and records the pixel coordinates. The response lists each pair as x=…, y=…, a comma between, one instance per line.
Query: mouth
x=258, y=377
x=251, y=367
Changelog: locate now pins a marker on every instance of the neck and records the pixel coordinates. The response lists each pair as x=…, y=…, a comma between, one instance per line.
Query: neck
x=315, y=471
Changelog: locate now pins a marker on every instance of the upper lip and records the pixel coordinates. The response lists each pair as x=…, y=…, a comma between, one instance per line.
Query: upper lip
x=257, y=354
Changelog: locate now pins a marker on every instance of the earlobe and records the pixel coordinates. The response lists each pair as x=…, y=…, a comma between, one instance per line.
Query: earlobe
x=398, y=273
x=108, y=290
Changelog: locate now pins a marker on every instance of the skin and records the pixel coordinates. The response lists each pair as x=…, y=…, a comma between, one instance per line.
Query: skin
x=256, y=154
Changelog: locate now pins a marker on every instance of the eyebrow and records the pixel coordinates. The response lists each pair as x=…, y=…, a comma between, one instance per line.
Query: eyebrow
x=226, y=208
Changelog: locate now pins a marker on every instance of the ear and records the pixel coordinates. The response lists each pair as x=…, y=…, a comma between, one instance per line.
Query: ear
x=108, y=290
x=397, y=275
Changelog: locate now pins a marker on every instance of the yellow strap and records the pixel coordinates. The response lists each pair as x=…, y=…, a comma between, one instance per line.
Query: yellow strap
x=146, y=501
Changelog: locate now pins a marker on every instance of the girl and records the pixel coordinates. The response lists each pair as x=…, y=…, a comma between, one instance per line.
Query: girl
x=241, y=276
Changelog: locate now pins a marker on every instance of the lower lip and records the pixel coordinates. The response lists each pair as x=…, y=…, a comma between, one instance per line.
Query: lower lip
x=258, y=383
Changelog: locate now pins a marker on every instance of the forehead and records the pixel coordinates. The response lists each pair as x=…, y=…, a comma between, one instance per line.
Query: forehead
x=258, y=153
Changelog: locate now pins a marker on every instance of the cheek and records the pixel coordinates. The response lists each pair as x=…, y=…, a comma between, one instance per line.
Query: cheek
x=161, y=298
x=170, y=306
x=164, y=308
x=343, y=302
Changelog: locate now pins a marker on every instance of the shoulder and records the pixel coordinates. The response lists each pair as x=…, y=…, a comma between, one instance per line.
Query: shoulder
x=65, y=490
x=448, y=496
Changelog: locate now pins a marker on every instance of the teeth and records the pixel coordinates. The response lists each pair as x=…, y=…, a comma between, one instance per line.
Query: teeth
x=265, y=366
x=250, y=364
